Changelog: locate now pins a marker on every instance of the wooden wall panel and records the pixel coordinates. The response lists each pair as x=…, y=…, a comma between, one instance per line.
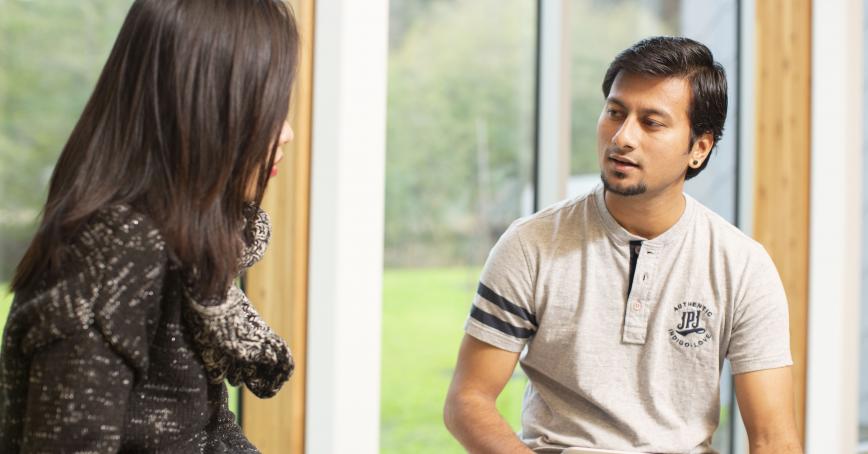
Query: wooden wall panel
x=277, y=285
x=782, y=160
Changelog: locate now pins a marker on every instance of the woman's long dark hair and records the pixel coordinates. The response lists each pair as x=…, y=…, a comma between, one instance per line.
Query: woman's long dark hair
x=182, y=123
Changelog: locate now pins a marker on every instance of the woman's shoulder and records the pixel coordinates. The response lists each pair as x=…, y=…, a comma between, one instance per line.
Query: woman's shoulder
x=119, y=228
x=114, y=241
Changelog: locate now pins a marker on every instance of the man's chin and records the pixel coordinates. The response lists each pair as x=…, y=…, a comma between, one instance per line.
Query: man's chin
x=623, y=189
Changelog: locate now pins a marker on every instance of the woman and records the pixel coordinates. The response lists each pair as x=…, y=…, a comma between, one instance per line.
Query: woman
x=125, y=321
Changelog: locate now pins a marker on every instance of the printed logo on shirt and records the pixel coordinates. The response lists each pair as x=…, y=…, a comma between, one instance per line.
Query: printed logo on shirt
x=691, y=320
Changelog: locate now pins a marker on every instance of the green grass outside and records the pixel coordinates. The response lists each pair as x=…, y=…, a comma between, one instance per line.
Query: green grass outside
x=423, y=318
x=233, y=400
x=5, y=300
x=5, y=303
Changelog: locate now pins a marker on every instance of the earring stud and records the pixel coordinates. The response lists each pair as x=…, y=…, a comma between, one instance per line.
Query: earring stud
x=695, y=162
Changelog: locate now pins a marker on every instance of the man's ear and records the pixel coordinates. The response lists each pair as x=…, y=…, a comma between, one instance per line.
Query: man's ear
x=701, y=148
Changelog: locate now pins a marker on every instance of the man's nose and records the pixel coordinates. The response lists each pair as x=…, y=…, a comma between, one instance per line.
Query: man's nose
x=626, y=135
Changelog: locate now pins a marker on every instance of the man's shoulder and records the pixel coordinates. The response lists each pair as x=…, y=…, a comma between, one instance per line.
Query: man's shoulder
x=725, y=237
x=571, y=212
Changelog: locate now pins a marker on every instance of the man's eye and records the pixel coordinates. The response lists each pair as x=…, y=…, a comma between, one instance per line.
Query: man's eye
x=613, y=113
x=653, y=124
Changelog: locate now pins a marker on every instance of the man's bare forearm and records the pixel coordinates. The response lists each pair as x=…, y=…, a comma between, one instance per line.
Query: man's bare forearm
x=475, y=422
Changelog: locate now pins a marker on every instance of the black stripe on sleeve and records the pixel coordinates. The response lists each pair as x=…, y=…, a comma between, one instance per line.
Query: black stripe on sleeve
x=500, y=325
x=505, y=304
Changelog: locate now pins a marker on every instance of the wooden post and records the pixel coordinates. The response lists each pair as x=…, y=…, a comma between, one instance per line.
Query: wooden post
x=277, y=285
x=782, y=161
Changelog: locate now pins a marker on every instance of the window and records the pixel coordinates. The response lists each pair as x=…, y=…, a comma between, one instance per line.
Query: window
x=863, y=351
x=51, y=56
x=460, y=150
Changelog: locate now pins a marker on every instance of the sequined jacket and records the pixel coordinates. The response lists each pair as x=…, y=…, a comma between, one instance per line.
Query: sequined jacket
x=116, y=356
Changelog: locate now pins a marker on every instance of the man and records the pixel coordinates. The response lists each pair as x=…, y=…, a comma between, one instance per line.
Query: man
x=626, y=301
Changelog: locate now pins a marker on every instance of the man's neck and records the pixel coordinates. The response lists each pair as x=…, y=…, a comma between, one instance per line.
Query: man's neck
x=647, y=215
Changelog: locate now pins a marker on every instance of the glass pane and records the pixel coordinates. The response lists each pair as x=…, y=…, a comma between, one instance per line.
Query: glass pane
x=51, y=55
x=615, y=25
x=863, y=351
x=459, y=171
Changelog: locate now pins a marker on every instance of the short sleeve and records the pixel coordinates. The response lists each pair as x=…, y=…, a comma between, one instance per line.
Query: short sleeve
x=503, y=313
x=760, y=337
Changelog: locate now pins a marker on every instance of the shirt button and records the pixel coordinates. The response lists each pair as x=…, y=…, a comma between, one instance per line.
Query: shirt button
x=637, y=306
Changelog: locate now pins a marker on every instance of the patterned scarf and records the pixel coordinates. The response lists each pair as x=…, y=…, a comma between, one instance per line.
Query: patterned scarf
x=233, y=341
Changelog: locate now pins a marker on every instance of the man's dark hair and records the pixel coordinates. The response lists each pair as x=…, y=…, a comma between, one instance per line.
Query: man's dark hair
x=669, y=56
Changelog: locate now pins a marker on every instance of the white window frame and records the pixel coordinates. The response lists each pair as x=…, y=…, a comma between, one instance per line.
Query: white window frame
x=747, y=145
x=553, y=102
x=346, y=226
x=835, y=227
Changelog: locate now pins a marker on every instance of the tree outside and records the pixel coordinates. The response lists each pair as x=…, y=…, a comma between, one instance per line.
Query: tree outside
x=50, y=57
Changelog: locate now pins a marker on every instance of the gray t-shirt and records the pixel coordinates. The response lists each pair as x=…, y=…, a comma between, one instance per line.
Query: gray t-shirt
x=620, y=367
